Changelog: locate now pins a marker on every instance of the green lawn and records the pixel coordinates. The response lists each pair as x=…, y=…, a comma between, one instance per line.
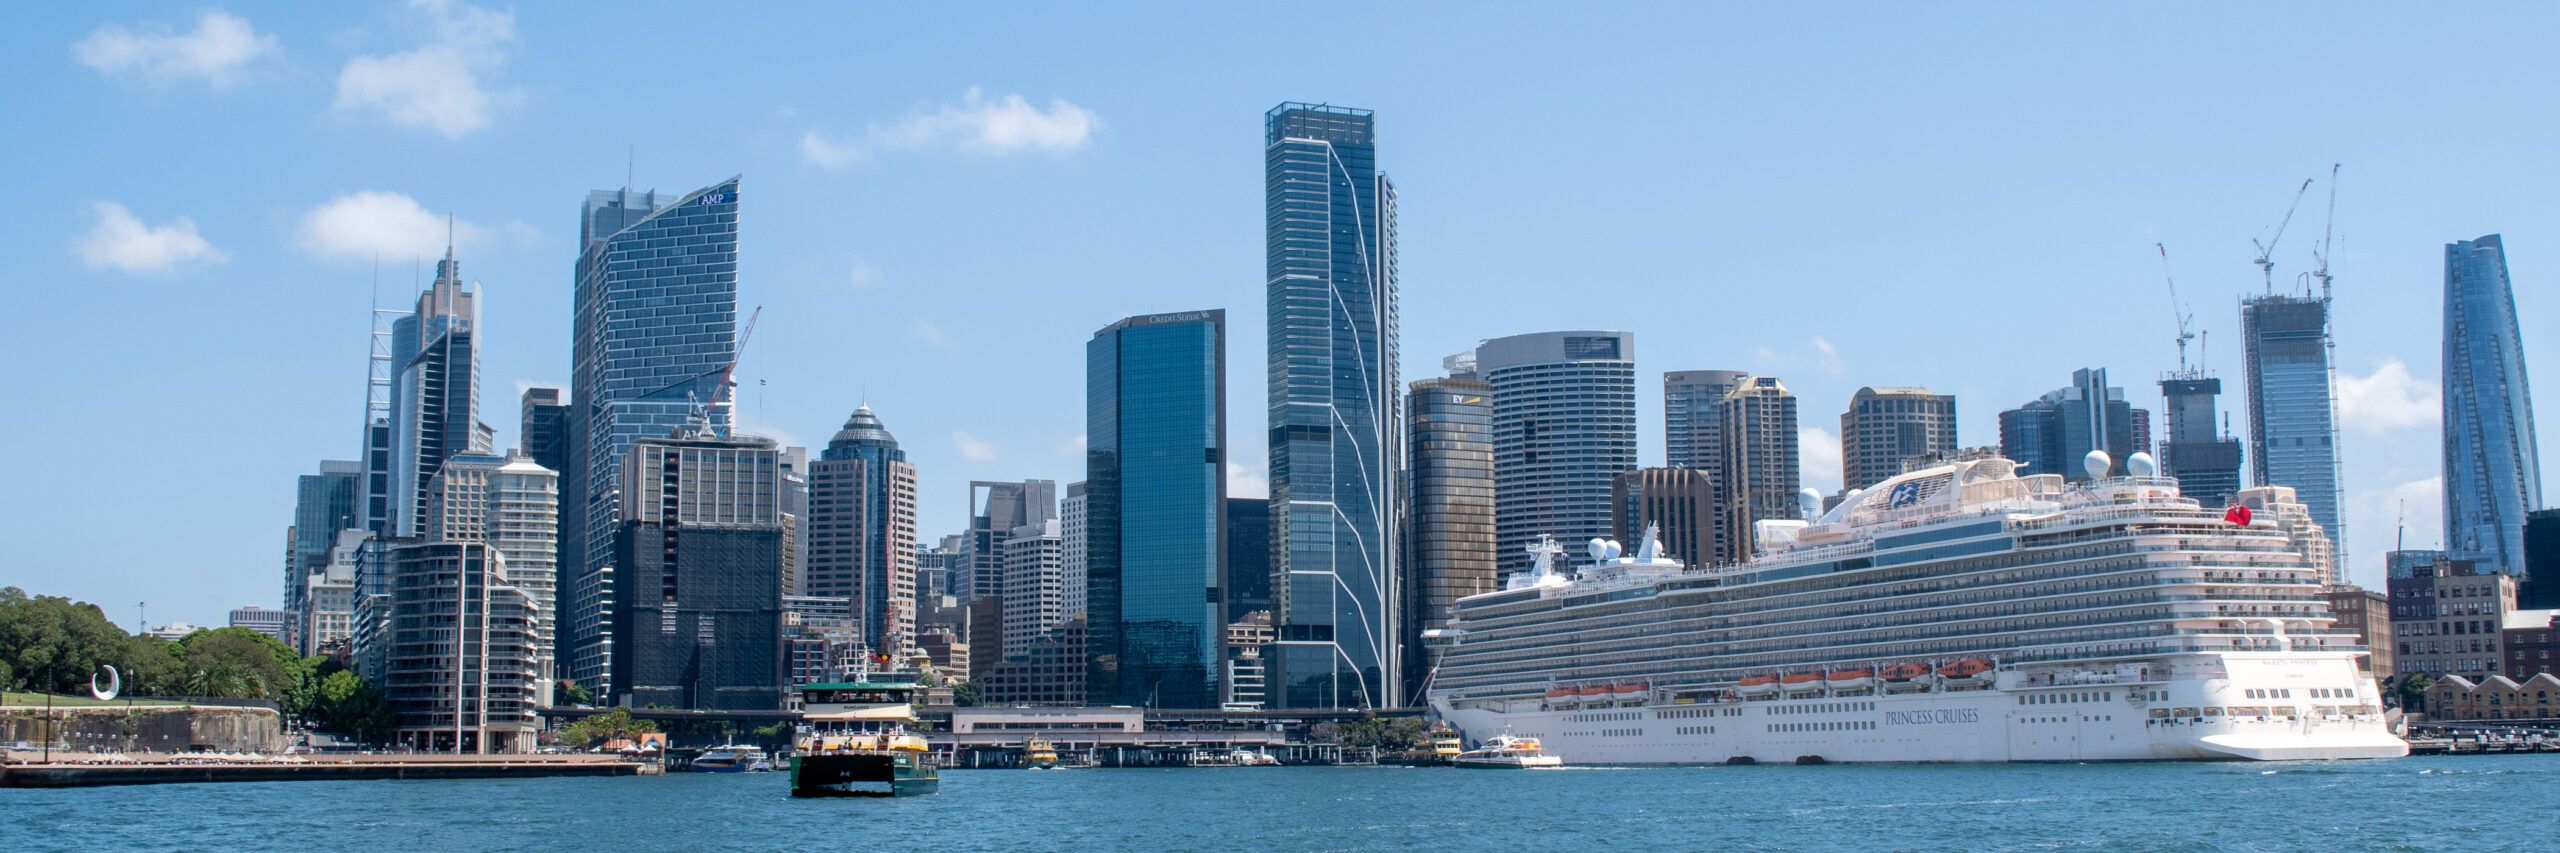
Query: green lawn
x=37, y=700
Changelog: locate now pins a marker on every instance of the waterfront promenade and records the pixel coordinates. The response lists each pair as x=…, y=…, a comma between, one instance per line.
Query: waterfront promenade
x=78, y=769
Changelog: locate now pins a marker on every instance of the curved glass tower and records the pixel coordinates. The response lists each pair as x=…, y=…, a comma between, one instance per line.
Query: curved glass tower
x=1331, y=242
x=2492, y=471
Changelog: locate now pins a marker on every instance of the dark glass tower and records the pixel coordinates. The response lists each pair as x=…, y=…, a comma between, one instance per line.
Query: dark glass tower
x=1156, y=531
x=2205, y=463
x=2492, y=470
x=654, y=322
x=1448, y=547
x=1330, y=238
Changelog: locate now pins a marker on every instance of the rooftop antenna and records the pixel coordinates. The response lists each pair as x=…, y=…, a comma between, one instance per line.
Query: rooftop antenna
x=2400, y=528
x=630, y=166
x=2178, y=310
x=2266, y=265
x=2320, y=256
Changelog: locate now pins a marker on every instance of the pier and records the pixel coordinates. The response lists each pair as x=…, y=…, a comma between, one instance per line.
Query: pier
x=75, y=771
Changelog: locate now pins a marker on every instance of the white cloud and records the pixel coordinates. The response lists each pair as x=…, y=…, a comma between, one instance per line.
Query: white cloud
x=123, y=242
x=863, y=276
x=1247, y=481
x=744, y=422
x=1827, y=358
x=525, y=234
x=1073, y=446
x=924, y=330
x=973, y=449
x=999, y=127
x=1818, y=451
x=217, y=52
x=374, y=224
x=445, y=84
x=2388, y=399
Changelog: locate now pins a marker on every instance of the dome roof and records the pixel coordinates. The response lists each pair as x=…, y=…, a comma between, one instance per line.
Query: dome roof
x=864, y=428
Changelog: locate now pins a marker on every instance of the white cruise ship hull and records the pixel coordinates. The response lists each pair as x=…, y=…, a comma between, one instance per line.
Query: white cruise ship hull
x=2016, y=720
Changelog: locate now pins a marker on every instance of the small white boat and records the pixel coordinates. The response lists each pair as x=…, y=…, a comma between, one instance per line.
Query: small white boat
x=1507, y=751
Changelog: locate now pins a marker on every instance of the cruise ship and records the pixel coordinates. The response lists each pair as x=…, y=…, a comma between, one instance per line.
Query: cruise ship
x=1960, y=613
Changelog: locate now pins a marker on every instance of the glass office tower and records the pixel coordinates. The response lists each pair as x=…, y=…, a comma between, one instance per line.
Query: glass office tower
x=2292, y=404
x=1155, y=511
x=1448, y=511
x=1330, y=235
x=654, y=325
x=2492, y=470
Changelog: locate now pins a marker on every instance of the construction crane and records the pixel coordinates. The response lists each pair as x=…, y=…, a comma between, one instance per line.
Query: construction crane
x=728, y=375
x=2320, y=257
x=722, y=393
x=2177, y=309
x=2266, y=250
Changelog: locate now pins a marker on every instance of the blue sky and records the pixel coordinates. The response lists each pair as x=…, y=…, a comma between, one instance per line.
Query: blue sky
x=944, y=201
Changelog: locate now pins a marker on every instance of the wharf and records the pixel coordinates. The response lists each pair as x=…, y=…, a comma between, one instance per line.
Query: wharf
x=316, y=768
x=2471, y=746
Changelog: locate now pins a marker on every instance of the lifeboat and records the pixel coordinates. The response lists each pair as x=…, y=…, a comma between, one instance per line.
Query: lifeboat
x=1969, y=669
x=1757, y=685
x=1558, y=693
x=1902, y=673
x=1796, y=681
x=1630, y=690
x=1592, y=692
x=1852, y=679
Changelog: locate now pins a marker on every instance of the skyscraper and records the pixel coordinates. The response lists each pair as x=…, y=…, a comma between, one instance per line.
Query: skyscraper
x=654, y=322
x=1073, y=533
x=1248, y=556
x=2492, y=470
x=1691, y=427
x=1449, y=510
x=2293, y=403
x=1155, y=492
x=862, y=530
x=544, y=432
x=1758, y=473
x=2205, y=462
x=512, y=504
x=1564, y=426
x=1885, y=428
x=698, y=560
x=2052, y=433
x=323, y=504
x=1330, y=240
x=1035, y=585
x=458, y=666
x=1680, y=503
x=435, y=393
x=996, y=509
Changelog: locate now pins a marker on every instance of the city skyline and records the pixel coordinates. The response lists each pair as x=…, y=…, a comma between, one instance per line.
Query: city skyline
x=974, y=317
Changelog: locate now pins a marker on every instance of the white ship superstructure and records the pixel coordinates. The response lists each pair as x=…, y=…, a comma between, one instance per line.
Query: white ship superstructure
x=1956, y=614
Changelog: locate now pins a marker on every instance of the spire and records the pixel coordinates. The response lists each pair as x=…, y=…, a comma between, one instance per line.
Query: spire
x=863, y=428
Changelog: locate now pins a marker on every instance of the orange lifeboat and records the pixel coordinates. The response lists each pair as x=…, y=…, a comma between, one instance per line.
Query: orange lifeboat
x=1757, y=685
x=1560, y=693
x=1593, y=692
x=1969, y=669
x=1795, y=681
x=1905, y=672
x=1631, y=689
x=1852, y=679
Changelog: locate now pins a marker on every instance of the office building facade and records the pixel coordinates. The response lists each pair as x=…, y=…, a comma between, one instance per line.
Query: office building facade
x=512, y=504
x=324, y=504
x=1248, y=556
x=1692, y=419
x=2293, y=402
x=2204, y=461
x=2055, y=432
x=996, y=509
x=2541, y=586
x=654, y=320
x=1155, y=491
x=1886, y=428
x=1073, y=535
x=698, y=565
x=2492, y=468
x=1331, y=300
x=1449, y=509
x=460, y=670
x=1035, y=584
x=1564, y=425
x=1759, y=473
x=862, y=530
x=435, y=393
x=1680, y=505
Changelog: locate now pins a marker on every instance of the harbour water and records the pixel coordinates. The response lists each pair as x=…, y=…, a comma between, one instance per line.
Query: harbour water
x=2424, y=803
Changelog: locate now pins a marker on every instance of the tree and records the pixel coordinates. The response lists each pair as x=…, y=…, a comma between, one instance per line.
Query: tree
x=566, y=692
x=967, y=694
x=225, y=663
x=54, y=643
x=152, y=666
x=1401, y=733
x=609, y=725
x=347, y=705
x=2412, y=691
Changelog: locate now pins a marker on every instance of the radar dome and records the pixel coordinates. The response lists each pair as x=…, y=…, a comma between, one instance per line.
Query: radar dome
x=1599, y=549
x=2141, y=465
x=2096, y=463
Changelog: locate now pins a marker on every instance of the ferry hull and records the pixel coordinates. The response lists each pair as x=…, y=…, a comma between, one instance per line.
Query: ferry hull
x=864, y=773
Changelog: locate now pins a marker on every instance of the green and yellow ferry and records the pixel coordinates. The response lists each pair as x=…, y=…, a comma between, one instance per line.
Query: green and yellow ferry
x=858, y=734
